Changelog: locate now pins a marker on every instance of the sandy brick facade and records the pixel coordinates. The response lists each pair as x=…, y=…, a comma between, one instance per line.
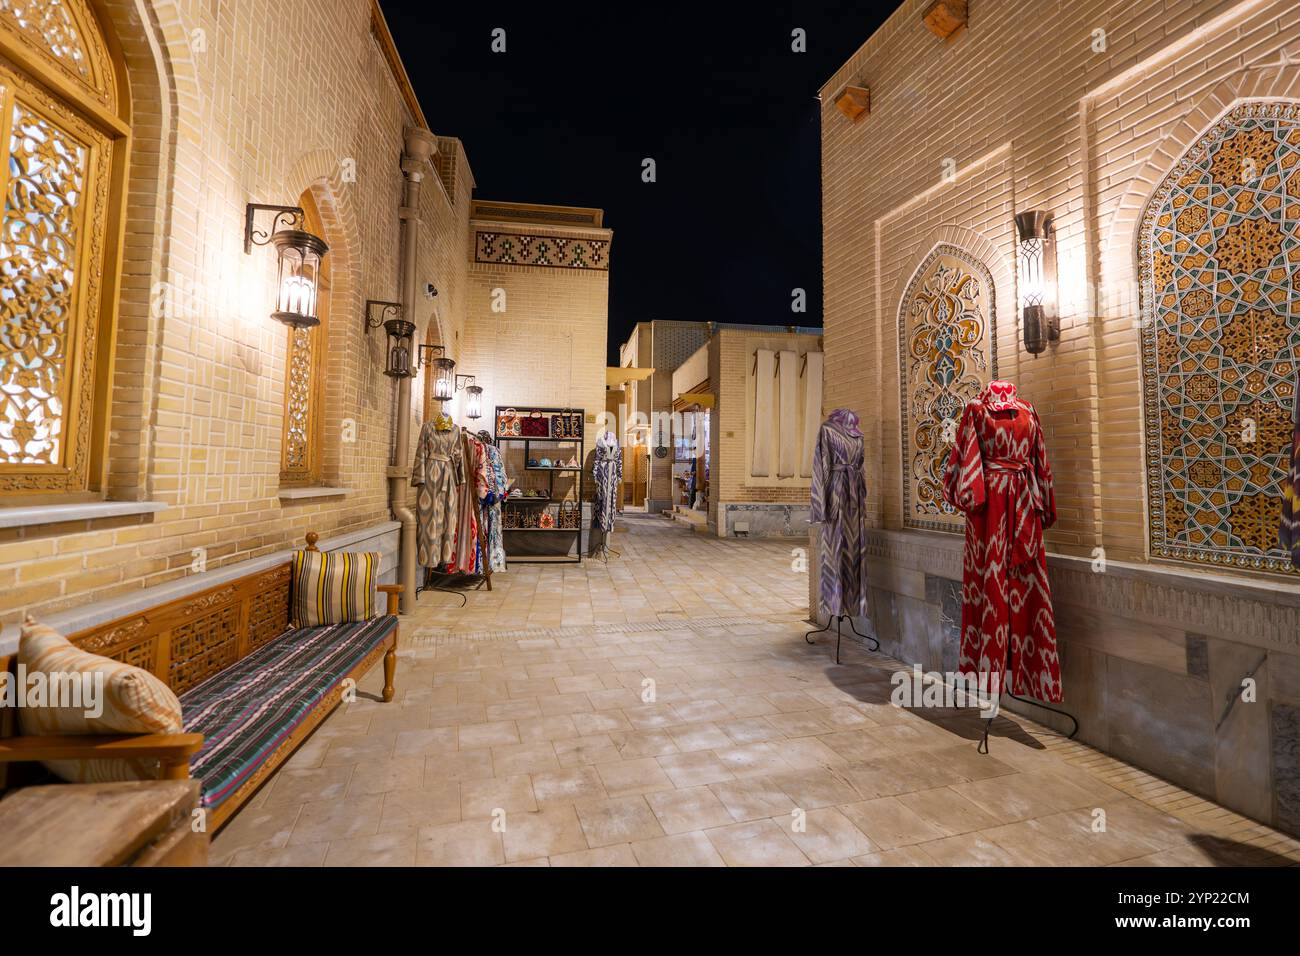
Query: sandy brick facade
x=731, y=356
x=663, y=344
x=537, y=335
x=1080, y=108
x=224, y=112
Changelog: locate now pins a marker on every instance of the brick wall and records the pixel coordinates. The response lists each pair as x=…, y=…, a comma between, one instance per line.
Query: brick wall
x=1030, y=108
x=732, y=433
x=244, y=101
x=549, y=345
x=962, y=135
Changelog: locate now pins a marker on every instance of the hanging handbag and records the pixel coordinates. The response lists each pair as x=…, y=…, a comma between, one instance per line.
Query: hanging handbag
x=535, y=425
x=566, y=425
x=570, y=515
x=509, y=518
x=546, y=520
x=529, y=519
x=508, y=423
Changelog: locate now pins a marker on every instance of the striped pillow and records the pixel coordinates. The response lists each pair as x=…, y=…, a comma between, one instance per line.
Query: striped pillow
x=333, y=587
x=115, y=698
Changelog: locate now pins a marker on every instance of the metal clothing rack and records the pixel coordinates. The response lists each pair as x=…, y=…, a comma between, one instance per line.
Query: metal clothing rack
x=839, y=636
x=523, y=411
x=435, y=580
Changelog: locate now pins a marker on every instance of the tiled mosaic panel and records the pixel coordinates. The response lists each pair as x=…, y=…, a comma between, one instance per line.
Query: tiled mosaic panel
x=946, y=357
x=560, y=252
x=1221, y=339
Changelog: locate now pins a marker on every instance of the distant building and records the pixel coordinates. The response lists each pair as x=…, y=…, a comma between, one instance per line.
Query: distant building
x=751, y=398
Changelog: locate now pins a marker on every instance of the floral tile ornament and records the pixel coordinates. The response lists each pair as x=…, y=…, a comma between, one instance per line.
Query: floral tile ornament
x=947, y=353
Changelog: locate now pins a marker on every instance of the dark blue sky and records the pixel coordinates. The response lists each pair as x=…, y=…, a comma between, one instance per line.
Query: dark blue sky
x=712, y=92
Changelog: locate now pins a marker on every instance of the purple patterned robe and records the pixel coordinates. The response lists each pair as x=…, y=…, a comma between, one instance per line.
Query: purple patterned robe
x=839, y=491
x=1289, y=531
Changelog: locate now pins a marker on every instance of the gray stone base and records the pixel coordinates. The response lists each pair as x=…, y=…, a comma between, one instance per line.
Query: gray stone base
x=1190, y=675
x=764, y=520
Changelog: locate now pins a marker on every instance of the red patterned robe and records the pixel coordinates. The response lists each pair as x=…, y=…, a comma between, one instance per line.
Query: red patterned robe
x=998, y=475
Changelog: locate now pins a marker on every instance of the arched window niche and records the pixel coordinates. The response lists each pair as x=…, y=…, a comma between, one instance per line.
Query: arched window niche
x=947, y=347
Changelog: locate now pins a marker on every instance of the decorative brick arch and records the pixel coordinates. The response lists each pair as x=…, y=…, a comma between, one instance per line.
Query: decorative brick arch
x=348, y=351
x=977, y=247
x=1119, y=253
x=1213, y=253
x=157, y=63
x=947, y=351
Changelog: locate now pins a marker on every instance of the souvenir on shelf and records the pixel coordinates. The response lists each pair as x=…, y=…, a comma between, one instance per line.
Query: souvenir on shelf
x=566, y=425
x=535, y=425
x=548, y=446
x=508, y=423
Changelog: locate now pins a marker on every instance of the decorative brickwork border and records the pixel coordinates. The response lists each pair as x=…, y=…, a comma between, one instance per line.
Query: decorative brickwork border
x=529, y=249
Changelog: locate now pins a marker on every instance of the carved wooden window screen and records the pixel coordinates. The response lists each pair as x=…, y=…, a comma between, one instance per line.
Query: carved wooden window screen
x=55, y=180
x=300, y=445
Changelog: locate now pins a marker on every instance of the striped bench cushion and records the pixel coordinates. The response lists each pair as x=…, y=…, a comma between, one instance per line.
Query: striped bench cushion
x=248, y=710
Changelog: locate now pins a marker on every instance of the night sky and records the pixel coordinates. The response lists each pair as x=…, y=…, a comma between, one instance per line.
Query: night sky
x=713, y=93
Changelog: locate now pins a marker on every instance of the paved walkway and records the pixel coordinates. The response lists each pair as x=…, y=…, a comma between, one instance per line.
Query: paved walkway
x=664, y=709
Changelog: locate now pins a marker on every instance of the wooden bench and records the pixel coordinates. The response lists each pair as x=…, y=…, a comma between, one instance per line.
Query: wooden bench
x=184, y=643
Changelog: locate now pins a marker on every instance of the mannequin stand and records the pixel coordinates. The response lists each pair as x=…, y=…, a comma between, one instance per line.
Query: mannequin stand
x=839, y=636
x=988, y=723
x=439, y=581
x=603, y=550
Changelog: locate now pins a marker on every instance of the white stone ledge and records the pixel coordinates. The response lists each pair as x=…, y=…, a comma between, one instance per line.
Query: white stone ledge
x=90, y=615
x=26, y=516
x=299, y=494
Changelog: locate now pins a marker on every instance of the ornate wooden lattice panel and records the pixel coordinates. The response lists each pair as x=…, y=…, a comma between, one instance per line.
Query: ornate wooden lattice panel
x=54, y=178
x=1221, y=338
x=65, y=35
x=203, y=647
x=947, y=352
x=188, y=640
x=128, y=642
x=269, y=607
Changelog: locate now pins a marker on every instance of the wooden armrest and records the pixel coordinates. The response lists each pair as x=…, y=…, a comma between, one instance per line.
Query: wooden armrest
x=392, y=590
x=173, y=751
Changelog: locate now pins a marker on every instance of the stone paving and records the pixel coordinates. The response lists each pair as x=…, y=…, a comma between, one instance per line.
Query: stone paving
x=664, y=709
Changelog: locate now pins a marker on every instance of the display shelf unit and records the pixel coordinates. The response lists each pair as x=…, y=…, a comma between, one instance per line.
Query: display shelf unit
x=526, y=442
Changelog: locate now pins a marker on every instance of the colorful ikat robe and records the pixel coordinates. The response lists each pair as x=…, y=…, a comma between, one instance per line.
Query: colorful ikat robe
x=998, y=475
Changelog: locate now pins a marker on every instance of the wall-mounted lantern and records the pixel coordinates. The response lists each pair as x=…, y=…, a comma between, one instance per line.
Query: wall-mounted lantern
x=1037, y=279
x=473, y=396
x=444, y=383
x=300, y=254
x=399, y=331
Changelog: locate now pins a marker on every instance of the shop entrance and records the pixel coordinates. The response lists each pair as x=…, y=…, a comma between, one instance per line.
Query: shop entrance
x=636, y=474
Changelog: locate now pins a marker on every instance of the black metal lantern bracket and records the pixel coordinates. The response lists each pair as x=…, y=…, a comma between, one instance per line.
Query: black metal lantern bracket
x=463, y=380
x=387, y=312
x=286, y=217
x=429, y=352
